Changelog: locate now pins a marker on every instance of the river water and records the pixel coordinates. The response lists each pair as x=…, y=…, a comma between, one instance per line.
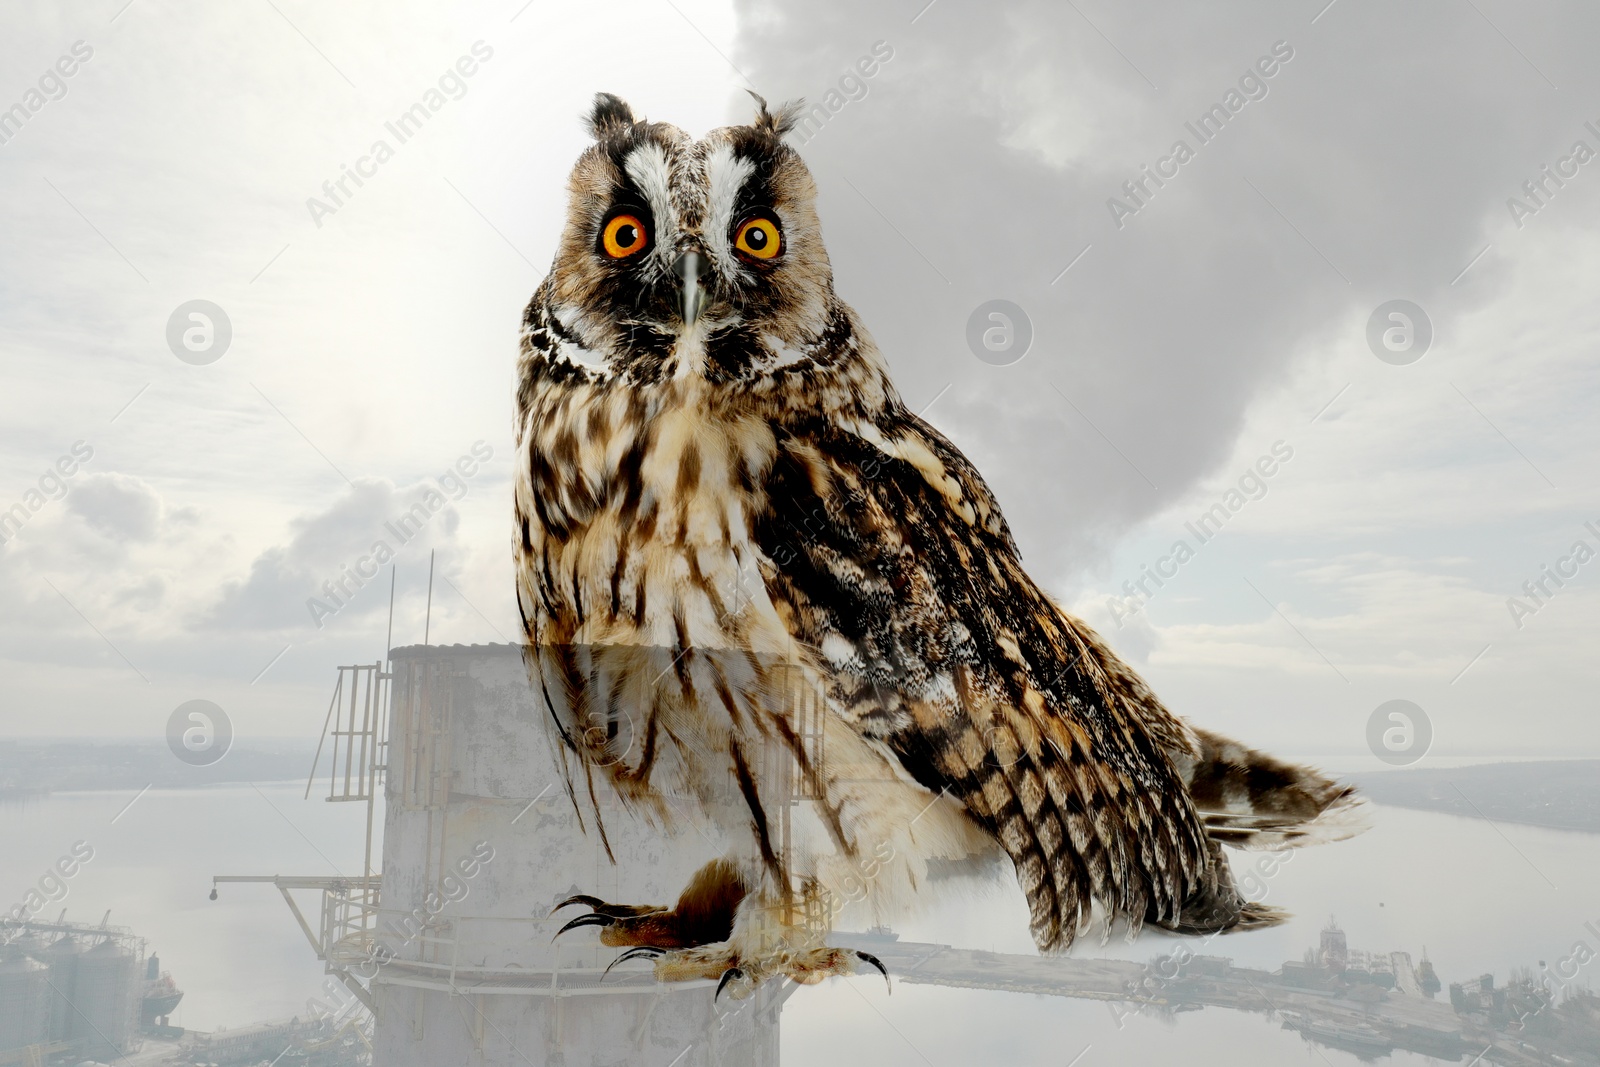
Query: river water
x=1478, y=897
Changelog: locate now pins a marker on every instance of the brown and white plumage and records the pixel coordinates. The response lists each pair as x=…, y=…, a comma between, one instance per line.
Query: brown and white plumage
x=720, y=489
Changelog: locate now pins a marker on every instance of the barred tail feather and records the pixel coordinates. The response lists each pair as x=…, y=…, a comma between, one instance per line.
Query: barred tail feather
x=1248, y=799
x=1254, y=916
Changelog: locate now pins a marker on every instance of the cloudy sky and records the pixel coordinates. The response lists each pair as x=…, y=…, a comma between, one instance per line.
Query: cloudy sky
x=1182, y=333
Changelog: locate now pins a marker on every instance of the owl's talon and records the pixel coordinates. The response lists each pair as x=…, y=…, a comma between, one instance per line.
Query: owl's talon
x=636, y=953
x=867, y=957
x=594, y=918
x=579, y=898
x=727, y=976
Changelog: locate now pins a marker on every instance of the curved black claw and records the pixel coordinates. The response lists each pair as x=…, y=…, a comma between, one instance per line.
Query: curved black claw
x=867, y=957
x=580, y=898
x=727, y=976
x=592, y=919
x=637, y=953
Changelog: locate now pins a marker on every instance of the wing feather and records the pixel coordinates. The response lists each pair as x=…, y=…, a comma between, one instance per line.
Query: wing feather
x=888, y=557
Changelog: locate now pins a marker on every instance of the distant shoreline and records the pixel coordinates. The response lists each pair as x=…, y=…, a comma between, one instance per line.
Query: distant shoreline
x=28, y=767
x=44, y=792
x=1472, y=815
x=1548, y=794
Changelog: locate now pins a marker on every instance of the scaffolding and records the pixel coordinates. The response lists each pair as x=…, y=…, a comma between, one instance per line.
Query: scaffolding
x=357, y=724
x=356, y=734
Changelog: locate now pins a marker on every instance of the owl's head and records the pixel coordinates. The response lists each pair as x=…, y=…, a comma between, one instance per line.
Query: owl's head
x=686, y=257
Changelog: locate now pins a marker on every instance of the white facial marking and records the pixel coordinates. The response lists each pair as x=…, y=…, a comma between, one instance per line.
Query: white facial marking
x=647, y=166
x=726, y=174
x=577, y=354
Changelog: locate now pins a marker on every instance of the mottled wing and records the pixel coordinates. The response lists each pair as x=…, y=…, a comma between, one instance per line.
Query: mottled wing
x=888, y=556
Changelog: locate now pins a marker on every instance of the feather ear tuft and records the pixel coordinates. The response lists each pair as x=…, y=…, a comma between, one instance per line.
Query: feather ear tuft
x=611, y=115
x=781, y=123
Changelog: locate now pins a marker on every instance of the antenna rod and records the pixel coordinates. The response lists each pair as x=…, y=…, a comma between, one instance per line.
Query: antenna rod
x=388, y=640
x=427, y=619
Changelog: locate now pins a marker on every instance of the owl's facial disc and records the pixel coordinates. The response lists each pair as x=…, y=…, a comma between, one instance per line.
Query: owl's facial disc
x=686, y=257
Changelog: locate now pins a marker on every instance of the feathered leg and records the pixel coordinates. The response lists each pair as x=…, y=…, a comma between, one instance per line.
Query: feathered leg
x=703, y=915
x=718, y=930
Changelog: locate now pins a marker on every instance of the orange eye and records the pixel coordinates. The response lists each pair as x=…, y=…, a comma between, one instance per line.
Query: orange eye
x=759, y=238
x=623, y=236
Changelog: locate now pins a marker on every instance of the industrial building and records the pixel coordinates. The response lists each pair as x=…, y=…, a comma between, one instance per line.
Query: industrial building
x=472, y=775
x=444, y=945
x=67, y=989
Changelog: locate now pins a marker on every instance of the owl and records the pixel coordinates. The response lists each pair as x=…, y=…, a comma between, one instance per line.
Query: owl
x=759, y=592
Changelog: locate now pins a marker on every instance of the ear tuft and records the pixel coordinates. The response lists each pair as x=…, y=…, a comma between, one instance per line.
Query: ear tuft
x=611, y=115
x=781, y=123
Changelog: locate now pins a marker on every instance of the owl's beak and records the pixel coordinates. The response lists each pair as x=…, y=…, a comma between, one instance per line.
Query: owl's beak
x=691, y=267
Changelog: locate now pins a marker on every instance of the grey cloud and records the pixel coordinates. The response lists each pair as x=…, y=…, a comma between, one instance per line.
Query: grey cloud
x=119, y=506
x=270, y=598
x=144, y=595
x=321, y=539
x=981, y=160
x=327, y=552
